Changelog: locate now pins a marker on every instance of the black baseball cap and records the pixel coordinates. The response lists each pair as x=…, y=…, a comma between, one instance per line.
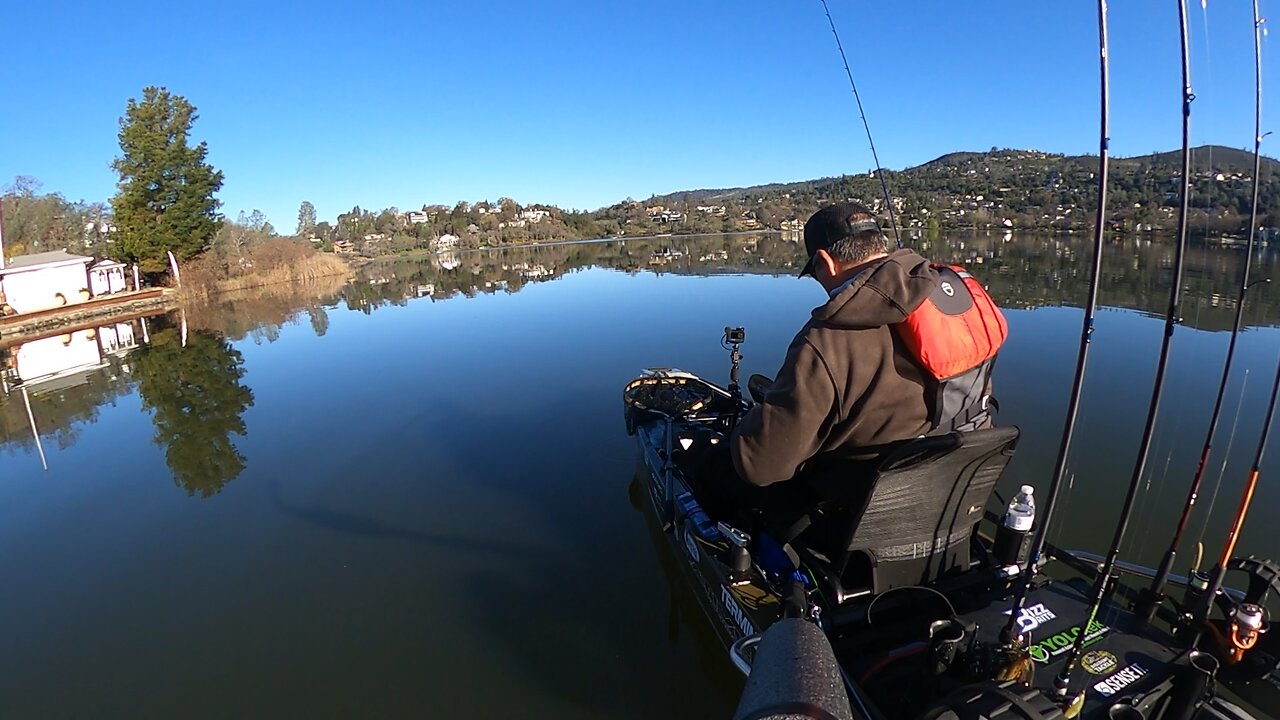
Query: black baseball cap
x=832, y=223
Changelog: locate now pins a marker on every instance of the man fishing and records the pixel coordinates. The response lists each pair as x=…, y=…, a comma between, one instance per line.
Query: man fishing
x=902, y=348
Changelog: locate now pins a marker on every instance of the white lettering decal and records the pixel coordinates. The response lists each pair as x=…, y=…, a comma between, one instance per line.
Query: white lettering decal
x=731, y=606
x=1120, y=680
x=1033, y=616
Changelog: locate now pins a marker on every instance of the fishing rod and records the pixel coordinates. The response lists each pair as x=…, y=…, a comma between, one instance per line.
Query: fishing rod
x=1011, y=630
x=884, y=186
x=1063, y=680
x=1156, y=593
x=1246, y=499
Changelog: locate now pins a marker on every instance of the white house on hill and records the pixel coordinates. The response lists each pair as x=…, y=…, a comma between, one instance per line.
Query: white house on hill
x=42, y=281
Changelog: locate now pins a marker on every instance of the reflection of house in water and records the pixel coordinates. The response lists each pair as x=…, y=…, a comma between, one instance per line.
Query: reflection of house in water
x=60, y=379
x=65, y=360
x=448, y=260
x=664, y=256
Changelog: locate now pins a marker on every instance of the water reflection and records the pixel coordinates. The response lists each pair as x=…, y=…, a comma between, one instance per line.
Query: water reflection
x=260, y=313
x=1021, y=271
x=50, y=384
x=191, y=381
x=197, y=401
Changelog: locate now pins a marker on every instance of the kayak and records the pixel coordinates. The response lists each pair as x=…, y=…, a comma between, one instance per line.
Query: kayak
x=906, y=583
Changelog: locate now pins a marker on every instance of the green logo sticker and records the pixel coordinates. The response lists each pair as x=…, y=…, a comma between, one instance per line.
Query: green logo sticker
x=1054, y=645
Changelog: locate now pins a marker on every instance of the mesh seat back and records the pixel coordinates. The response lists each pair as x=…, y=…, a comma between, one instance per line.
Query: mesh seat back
x=926, y=498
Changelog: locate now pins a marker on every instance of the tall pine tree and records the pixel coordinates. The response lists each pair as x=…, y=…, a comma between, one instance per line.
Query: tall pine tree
x=165, y=199
x=306, y=219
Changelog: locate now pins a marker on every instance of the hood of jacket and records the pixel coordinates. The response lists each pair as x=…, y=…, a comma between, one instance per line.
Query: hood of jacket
x=884, y=294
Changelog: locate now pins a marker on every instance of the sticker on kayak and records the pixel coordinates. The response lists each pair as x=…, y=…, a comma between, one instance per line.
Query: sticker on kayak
x=1120, y=680
x=735, y=611
x=1054, y=645
x=690, y=544
x=1099, y=662
x=1033, y=616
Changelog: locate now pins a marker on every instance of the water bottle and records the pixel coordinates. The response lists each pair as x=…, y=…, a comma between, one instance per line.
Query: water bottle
x=1013, y=537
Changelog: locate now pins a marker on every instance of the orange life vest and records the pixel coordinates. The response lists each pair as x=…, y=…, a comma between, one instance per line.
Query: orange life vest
x=954, y=336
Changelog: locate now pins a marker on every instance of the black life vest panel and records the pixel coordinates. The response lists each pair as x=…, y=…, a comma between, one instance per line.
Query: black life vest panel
x=954, y=336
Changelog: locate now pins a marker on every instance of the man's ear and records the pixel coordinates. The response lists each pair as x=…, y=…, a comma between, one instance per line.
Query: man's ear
x=824, y=257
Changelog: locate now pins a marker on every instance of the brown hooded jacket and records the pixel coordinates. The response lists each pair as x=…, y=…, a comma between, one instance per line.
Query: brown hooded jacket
x=847, y=381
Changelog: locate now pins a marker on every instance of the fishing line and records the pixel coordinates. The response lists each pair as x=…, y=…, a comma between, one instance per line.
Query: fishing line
x=1059, y=531
x=1246, y=498
x=1172, y=318
x=884, y=186
x=1154, y=594
x=1208, y=71
x=1151, y=507
x=1011, y=635
x=1226, y=456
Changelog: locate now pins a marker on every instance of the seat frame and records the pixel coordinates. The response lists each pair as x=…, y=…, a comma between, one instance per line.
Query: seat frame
x=914, y=521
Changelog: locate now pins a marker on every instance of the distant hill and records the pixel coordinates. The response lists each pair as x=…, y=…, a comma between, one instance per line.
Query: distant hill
x=1003, y=187
x=1219, y=157
x=951, y=159
x=722, y=194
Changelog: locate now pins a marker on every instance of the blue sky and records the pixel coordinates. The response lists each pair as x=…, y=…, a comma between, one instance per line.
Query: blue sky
x=581, y=104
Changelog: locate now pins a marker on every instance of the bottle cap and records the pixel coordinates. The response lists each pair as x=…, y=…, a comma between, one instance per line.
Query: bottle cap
x=1028, y=490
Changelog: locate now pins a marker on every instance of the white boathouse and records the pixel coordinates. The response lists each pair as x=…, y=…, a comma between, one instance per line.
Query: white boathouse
x=29, y=283
x=106, y=277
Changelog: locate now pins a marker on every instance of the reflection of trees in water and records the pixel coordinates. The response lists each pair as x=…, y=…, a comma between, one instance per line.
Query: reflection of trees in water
x=319, y=319
x=197, y=401
x=1035, y=271
x=260, y=313
x=1020, y=270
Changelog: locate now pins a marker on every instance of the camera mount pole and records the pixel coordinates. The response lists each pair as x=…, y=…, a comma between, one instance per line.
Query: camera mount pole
x=735, y=337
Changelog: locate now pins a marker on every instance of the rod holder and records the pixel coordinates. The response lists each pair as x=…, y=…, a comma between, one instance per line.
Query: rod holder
x=1191, y=685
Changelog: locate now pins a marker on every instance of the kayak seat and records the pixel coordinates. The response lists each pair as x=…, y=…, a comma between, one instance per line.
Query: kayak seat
x=913, y=521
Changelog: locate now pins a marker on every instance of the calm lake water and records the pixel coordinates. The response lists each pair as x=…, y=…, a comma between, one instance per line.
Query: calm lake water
x=408, y=496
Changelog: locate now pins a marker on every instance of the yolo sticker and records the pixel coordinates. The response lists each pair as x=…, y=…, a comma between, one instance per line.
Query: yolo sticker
x=1099, y=662
x=1120, y=680
x=1033, y=616
x=1054, y=645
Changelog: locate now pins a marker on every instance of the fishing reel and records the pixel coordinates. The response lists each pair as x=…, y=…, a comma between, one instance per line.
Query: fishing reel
x=1247, y=625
